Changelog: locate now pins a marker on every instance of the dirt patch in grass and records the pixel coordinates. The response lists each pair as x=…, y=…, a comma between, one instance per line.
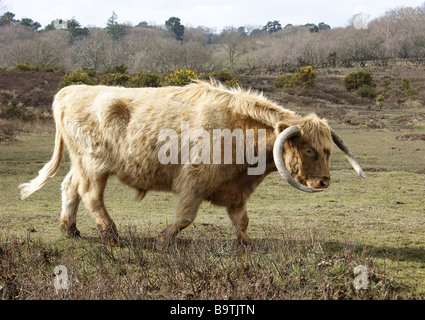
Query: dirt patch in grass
x=412, y=137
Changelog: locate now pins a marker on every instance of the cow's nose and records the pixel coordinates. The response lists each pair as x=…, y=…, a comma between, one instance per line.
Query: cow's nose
x=325, y=182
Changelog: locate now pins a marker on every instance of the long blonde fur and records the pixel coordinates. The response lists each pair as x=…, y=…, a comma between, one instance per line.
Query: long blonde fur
x=49, y=169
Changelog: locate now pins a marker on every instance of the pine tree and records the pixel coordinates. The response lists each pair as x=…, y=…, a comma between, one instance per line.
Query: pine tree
x=173, y=24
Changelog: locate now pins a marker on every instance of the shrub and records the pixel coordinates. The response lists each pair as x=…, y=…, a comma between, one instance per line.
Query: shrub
x=367, y=92
x=15, y=109
x=181, y=77
x=225, y=77
x=78, y=77
x=355, y=80
x=115, y=79
x=305, y=77
x=385, y=83
x=406, y=87
x=25, y=66
x=145, y=79
x=90, y=71
x=285, y=81
x=120, y=68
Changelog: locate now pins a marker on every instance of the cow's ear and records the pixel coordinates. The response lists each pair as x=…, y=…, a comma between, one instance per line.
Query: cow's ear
x=280, y=127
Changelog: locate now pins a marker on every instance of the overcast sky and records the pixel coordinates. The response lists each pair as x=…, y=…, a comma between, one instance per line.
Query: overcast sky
x=214, y=14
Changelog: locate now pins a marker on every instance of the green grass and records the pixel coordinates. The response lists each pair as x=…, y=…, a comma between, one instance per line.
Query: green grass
x=305, y=245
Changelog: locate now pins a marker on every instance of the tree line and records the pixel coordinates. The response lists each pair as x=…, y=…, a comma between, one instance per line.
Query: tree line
x=398, y=34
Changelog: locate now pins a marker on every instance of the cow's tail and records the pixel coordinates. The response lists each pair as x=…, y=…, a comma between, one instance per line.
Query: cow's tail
x=49, y=169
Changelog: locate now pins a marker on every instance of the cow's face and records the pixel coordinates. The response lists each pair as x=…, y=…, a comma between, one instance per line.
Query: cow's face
x=307, y=159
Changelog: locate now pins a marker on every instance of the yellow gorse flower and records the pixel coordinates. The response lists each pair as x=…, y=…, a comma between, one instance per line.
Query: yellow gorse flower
x=180, y=77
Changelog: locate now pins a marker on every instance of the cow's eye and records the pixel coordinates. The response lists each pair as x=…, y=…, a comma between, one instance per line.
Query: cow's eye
x=309, y=151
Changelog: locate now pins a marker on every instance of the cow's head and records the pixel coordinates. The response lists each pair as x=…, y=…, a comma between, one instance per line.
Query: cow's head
x=302, y=153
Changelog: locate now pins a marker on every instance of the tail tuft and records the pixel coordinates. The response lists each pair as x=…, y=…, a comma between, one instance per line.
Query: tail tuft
x=26, y=190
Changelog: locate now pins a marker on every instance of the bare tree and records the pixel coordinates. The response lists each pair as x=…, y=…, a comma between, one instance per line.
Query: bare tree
x=233, y=41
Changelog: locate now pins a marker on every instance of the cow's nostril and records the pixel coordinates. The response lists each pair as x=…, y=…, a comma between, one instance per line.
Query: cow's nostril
x=325, y=182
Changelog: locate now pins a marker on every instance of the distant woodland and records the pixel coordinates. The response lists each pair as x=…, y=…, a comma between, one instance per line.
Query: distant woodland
x=274, y=47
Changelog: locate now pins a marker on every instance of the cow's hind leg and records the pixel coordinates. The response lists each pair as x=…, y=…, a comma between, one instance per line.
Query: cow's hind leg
x=70, y=201
x=239, y=217
x=92, y=192
x=184, y=214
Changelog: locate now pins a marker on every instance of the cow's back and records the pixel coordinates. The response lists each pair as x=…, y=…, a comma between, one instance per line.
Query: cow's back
x=115, y=130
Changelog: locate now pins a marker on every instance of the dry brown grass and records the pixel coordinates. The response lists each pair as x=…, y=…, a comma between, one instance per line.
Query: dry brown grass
x=203, y=267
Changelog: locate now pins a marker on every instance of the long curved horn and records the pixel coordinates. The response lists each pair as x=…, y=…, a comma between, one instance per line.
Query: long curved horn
x=280, y=164
x=348, y=154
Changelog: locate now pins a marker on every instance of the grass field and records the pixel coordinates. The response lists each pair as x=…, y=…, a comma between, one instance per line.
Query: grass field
x=306, y=246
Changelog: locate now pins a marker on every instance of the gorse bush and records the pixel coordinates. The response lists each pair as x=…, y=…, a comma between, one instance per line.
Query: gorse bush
x=355, y=80
x=15, y=109
x=120, y=68
x=90, y=71
x=181, y=77
x=145, y=79
x=226, y=77
x=140, y=80
x=367, y=92
x=284, y=81
x=25, y=66
x=406, y=87
x=362, y=83
x=121, y=79
x=304, y=78
x=385, y=83
x=116, y=79
x=78, y=77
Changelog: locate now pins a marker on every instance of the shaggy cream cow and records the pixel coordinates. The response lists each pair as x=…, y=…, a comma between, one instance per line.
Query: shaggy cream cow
x=120, y=131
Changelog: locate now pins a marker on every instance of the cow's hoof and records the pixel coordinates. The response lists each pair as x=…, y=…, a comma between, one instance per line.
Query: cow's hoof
x=110, y=235
x=163, y=241
x=73, y=232
x=245, y=241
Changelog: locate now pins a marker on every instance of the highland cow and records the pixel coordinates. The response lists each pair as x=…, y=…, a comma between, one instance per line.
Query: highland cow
x=113, y=131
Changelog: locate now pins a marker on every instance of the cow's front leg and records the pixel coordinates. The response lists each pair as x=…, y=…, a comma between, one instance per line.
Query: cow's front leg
x=91, y=191
x=185, y=213
x=239, y=217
